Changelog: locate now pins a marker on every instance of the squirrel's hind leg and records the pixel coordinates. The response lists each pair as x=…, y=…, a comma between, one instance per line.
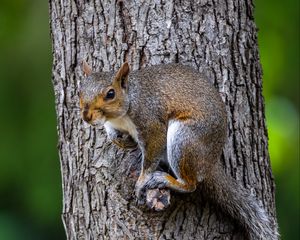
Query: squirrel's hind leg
x=182, y=155
x=161, y=180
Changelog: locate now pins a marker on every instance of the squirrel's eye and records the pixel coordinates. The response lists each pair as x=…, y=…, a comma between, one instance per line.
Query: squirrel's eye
x=110, y=94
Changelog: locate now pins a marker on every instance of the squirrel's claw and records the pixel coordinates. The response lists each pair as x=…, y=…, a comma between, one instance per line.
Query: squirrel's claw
x=140, y=192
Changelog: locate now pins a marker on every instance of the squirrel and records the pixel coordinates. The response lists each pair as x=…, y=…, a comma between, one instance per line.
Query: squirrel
x=172, y=108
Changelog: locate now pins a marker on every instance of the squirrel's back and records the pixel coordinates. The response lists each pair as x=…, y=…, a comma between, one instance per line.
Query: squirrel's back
x=176, y=89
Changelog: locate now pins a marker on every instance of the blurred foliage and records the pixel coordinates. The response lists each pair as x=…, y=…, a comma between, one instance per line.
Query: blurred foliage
x=278, y=37
x=30, y=182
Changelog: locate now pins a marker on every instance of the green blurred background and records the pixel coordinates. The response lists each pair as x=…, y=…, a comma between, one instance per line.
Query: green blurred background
x=30, y=182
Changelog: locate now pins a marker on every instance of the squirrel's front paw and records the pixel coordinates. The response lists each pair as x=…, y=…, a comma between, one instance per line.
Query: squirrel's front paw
x=125, y=141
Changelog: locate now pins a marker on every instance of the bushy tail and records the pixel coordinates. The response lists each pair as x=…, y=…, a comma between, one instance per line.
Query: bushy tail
x=241, y=205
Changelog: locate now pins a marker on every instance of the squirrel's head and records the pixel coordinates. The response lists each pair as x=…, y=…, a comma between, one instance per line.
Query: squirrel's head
x=103, y=96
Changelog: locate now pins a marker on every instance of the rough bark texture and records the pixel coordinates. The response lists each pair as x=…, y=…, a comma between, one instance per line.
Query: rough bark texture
x=219, y=38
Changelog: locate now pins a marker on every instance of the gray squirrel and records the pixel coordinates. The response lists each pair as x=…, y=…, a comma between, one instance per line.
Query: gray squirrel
x=172, y=107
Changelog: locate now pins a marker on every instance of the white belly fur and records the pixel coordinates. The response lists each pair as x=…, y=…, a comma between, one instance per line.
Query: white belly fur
x=123, y=124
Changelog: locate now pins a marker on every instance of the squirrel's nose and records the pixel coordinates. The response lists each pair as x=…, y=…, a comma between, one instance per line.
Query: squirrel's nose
x=86, y=116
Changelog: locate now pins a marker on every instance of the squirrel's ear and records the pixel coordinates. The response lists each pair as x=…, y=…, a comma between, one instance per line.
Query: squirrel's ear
x=87, y=70
x=122, y=75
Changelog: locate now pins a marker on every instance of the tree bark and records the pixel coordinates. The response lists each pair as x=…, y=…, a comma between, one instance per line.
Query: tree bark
x=219, y=38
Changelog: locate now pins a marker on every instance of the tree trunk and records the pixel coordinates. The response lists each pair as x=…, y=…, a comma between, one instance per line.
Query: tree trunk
x=217, y=37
